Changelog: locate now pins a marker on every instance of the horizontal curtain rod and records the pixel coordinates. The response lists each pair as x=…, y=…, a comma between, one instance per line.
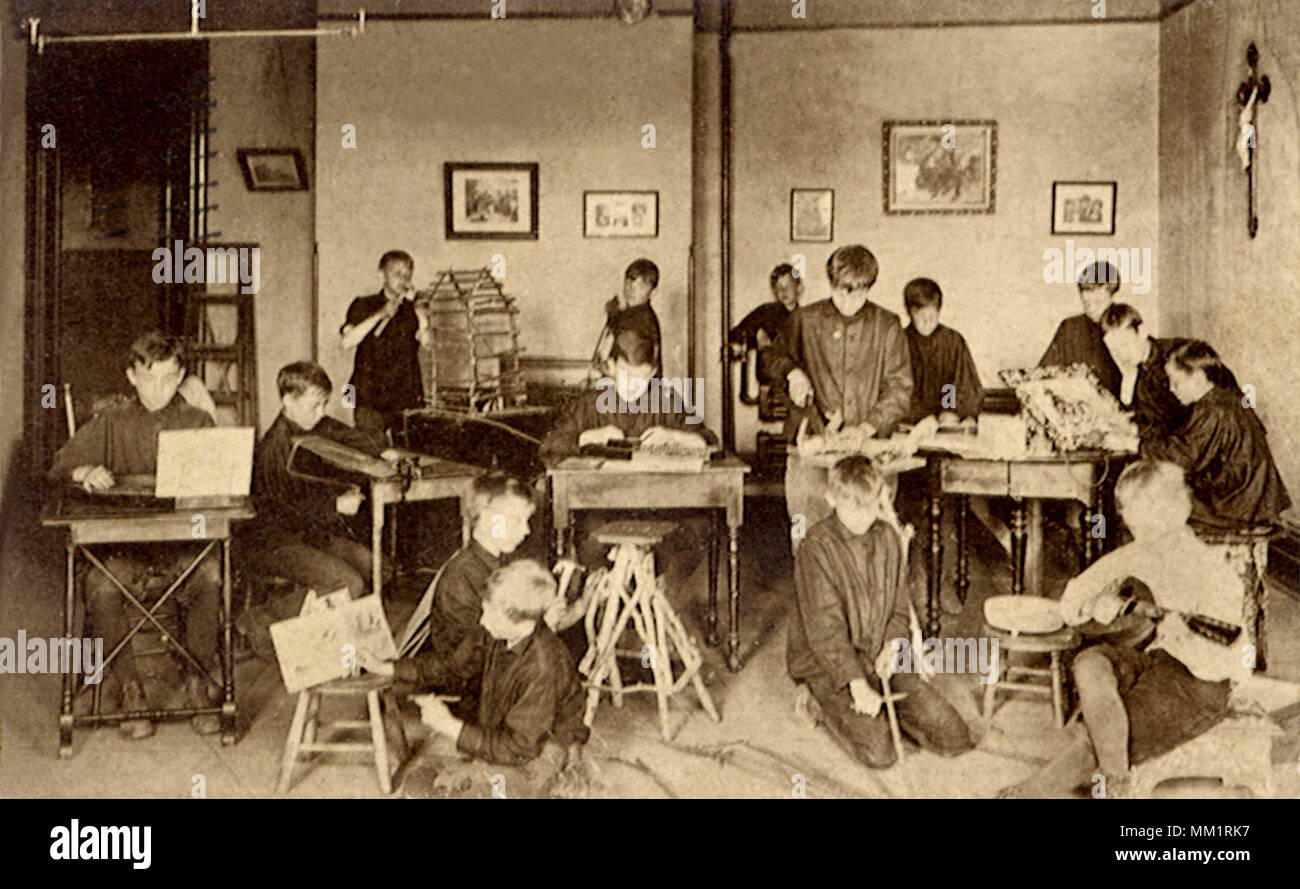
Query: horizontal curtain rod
x=40, y=41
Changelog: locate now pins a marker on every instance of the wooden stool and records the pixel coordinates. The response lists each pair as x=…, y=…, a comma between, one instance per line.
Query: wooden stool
x=306, y=723
x=628, y=592
x=1246, y=552
x=1051, y=644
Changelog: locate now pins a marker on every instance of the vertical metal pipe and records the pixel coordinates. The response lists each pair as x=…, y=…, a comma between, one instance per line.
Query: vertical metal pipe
x=724, y=98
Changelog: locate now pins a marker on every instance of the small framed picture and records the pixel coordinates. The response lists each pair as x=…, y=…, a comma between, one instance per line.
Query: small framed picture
x=940, y=167
x=273, y=169
x=620, y=214
x=1083, y=208
x=812, y=214
x=490, y=200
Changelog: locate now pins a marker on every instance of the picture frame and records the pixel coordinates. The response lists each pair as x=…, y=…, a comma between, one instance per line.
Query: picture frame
x=812, y=214
x=620, y=214
x=273, y=169
x=490, y=201
x=1084, y=208
x=946, y=167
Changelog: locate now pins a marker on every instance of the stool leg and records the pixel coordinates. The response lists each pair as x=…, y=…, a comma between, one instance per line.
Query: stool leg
x=380, y=740
x=991, y=690
x=1058, y=695
x=292, y=743
x=661, y=662
x=312, y=722
x=690, y=656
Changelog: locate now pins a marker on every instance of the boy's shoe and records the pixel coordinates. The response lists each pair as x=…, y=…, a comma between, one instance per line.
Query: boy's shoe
x=254, y=626
x=806, y=708
x=199, y=693
x=133, y=699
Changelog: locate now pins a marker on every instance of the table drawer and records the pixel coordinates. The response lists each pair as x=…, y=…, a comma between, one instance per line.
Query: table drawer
x=1053, y=481
x=986, y=478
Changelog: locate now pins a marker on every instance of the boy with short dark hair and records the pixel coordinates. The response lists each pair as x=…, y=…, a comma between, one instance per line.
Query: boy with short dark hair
x=1138, y=704
x=384, y=329
x=1141, y=359
x=1078, y=340
x=763, y=325
x=630, y=310
x=849, y=357
x=944, y=379
x=851, y=603
x=122, y=440
x=300, y=532
x=528, y=726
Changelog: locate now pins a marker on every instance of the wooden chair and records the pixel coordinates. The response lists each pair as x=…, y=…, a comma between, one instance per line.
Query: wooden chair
x=306, y=728
x=1053, y=645
x=629, y=593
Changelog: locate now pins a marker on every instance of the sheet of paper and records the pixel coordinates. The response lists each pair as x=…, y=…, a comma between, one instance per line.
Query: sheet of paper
x=215, y=462
x=327, y=644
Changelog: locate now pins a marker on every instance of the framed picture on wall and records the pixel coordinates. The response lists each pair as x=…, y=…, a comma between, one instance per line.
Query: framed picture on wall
x=940, y=166
x=273, y=169
x=490, y=200
x=812, y=214
x=620, y=214
x=1083, y=208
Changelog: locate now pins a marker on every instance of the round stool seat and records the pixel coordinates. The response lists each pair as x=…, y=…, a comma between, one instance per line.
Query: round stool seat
x=632, y=531
x=1060, y=640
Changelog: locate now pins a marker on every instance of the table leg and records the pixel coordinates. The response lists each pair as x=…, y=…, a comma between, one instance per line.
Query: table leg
x=934, y=565
x=1034, y=549
x=715, y=544
x=1019, y=533
x=376, y=543
x=66, y=717
x=227, y=650
x=963, y=556
x=733, y=585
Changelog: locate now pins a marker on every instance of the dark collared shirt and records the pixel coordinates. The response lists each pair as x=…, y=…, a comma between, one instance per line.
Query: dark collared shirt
x=1078, y=341
x=124, y=438
x=530, y=694
x=848, y=601
x=602, y=406
x=458, y=598
x=386, y=371
x=1224, y=450
x=859, y=365
x=938, y=360
x=292, y=509
x=1155, y=409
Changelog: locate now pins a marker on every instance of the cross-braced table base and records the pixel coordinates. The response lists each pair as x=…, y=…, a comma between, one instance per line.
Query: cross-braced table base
x=629, y=593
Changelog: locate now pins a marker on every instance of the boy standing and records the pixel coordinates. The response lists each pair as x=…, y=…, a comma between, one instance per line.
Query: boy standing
x=123, y=440
x=851, y=603
x=1079, y=338
x=383, y=328
x=630, y=311
x=528, y=727
x=944, y=379
x=849, y=357
x=1137, y=705
x=1141, y=360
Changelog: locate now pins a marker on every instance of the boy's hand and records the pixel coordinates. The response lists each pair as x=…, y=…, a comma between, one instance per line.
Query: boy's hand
x=948, y=418
x=93, y=478
x=865, y=699
x=601, y=436
x=799, y=386
x=349, y=502
x=435, y=715
x=381, y=668
x=885, y=660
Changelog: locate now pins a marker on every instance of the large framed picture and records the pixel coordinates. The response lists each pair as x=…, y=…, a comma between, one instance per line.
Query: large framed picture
x=620, y=214
x=490, y=200
x=1083, y=208
x=937, y=166
x=812, y=214
x=273, y=169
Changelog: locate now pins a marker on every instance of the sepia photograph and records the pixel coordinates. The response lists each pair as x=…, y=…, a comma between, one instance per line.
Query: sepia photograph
x=351, y=449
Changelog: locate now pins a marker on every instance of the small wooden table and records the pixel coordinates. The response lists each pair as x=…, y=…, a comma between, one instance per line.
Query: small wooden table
x=586, y=483
x=436, y=481
x=90, y=523
x=1027, y=480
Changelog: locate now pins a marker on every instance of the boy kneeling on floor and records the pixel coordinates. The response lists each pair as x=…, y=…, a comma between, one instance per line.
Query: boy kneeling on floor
x=851, y=604
x=529, y=727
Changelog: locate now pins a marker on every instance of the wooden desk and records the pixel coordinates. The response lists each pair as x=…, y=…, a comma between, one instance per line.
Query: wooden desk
x=1027, y=480
x=437, y=481
x=90, y=523
x=720, y=486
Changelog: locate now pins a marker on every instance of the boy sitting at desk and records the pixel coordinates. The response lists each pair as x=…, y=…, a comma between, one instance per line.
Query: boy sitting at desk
x=851, y=602
x=630, y=310
x=945, y=382
x=300, y=532
x=1079, y=338
x=848, y=358
x=528, y=725
x=1138, y=704
x=121, y=441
